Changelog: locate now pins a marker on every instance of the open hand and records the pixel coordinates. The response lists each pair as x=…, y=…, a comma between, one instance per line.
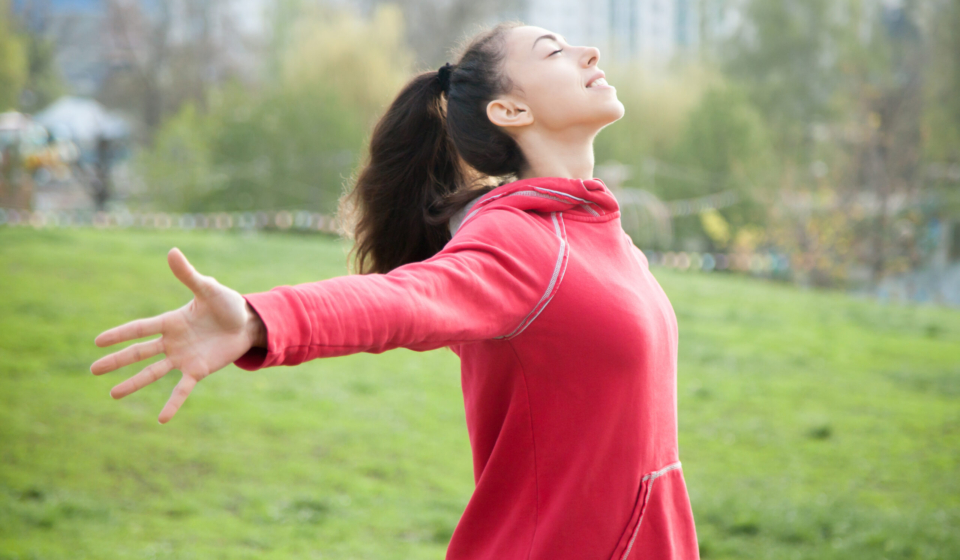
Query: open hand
x=213, y=330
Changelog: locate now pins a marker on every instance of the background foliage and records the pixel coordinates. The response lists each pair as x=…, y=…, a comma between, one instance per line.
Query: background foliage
x=294, y=143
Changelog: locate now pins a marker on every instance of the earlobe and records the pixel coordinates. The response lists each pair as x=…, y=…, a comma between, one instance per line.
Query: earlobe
x=503, y=112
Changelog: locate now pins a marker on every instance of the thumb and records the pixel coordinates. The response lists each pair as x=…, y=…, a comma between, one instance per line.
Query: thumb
x=184, y=271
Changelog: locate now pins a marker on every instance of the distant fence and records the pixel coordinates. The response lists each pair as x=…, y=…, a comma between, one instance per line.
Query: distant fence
x=759, y=263
x=942, y=288
x=766, y=263
x=281, y=220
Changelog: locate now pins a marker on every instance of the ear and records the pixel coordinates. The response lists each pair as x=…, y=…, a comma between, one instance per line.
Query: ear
x=504, y=111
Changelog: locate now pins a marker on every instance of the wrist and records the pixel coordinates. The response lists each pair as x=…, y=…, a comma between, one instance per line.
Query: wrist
x=255, y=328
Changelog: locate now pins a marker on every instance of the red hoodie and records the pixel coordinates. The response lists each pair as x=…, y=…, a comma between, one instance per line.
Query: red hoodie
x=568, y=352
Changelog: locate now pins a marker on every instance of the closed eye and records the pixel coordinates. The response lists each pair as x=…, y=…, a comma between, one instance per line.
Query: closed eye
x=556, y=51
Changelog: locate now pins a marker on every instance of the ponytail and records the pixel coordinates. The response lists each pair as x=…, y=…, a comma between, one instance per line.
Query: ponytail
x=416, y=179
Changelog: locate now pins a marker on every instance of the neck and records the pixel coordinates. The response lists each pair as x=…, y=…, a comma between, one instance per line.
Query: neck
x=557, y=155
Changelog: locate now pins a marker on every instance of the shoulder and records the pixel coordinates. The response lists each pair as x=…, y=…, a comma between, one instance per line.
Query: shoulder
x=509, y=225
x=512, y=234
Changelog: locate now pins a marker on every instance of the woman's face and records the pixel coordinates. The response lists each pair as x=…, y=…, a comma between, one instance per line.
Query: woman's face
x=551, y=79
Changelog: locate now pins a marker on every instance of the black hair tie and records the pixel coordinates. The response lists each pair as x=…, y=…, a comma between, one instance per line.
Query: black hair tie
x=443, y=75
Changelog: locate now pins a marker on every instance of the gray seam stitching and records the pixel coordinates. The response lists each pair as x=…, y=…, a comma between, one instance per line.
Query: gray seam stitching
x=566, y=195
x=591, y=210
x=550, y=287
x=651, y=477
x=553, y=291
x=663, y=471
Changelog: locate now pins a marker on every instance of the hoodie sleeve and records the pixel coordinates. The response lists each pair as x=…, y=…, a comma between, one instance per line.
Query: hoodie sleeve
x=482, y=285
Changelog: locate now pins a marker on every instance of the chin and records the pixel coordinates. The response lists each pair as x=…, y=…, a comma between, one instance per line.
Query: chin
x=614, y=114
x=595, y=119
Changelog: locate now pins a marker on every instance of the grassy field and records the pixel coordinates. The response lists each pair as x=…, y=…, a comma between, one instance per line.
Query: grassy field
x=812, y=425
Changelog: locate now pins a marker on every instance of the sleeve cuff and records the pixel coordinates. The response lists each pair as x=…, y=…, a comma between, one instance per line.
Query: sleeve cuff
x=252, y=360
x=285, y=323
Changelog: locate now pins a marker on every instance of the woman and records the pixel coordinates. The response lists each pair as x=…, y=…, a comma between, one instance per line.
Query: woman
x=567, y=343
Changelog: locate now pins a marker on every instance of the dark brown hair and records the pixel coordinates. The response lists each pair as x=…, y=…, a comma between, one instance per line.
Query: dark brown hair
x=428, y=159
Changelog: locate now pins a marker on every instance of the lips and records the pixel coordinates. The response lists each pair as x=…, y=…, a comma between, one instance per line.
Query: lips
x=598, y=76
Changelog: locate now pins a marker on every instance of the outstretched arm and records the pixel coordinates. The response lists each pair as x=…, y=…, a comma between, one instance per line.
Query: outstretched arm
x=480, y=286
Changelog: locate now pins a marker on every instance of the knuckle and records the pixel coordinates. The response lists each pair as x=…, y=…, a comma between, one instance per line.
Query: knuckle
x=157, y=370
x=202, y=288
x=210, y=283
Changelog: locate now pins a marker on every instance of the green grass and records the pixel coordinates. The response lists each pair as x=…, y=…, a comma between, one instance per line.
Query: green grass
x=812, y=425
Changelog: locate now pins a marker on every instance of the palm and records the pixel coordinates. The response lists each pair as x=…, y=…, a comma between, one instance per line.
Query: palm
x=200, y=336
x=198, y=339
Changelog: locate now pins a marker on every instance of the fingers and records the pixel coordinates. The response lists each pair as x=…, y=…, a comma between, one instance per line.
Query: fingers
x=132, y=330
x=127, y=356
x=180, y=394
x=147, y=376
x=199, y=284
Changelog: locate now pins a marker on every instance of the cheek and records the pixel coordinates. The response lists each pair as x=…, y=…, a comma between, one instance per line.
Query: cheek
x=572, y=105
x=558, y=100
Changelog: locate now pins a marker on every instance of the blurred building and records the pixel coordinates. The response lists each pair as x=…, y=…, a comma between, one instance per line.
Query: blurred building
x=99, y=138
x=652, y=31
x=97, y=37
x=75, y=26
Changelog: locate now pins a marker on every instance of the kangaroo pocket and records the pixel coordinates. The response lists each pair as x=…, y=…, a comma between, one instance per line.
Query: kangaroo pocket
x=661, y=523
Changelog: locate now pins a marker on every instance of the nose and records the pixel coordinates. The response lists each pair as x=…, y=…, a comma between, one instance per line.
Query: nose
x=592, y=56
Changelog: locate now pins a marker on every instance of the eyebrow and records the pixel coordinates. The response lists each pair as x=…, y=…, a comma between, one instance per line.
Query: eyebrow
x=547, y=36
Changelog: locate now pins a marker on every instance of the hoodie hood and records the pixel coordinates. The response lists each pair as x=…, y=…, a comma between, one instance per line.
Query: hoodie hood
x=545, y=194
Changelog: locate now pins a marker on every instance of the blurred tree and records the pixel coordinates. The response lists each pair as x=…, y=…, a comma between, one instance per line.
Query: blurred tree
x=655, y=110
x=14, y=68
x=293, y=144
x=365, y=60
x=284, y=17
x=291, y=149
x=785, y=54
x=840, y=85
x=167, y=52
x=887, y=157
x=723, y=136
x=44, y=83
x=716, y=227
x=435, y=27
x=941, y=123
x=177, y=168
x=942, y=107
x=139, y=46
x=724, y=146
x=690, y=133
